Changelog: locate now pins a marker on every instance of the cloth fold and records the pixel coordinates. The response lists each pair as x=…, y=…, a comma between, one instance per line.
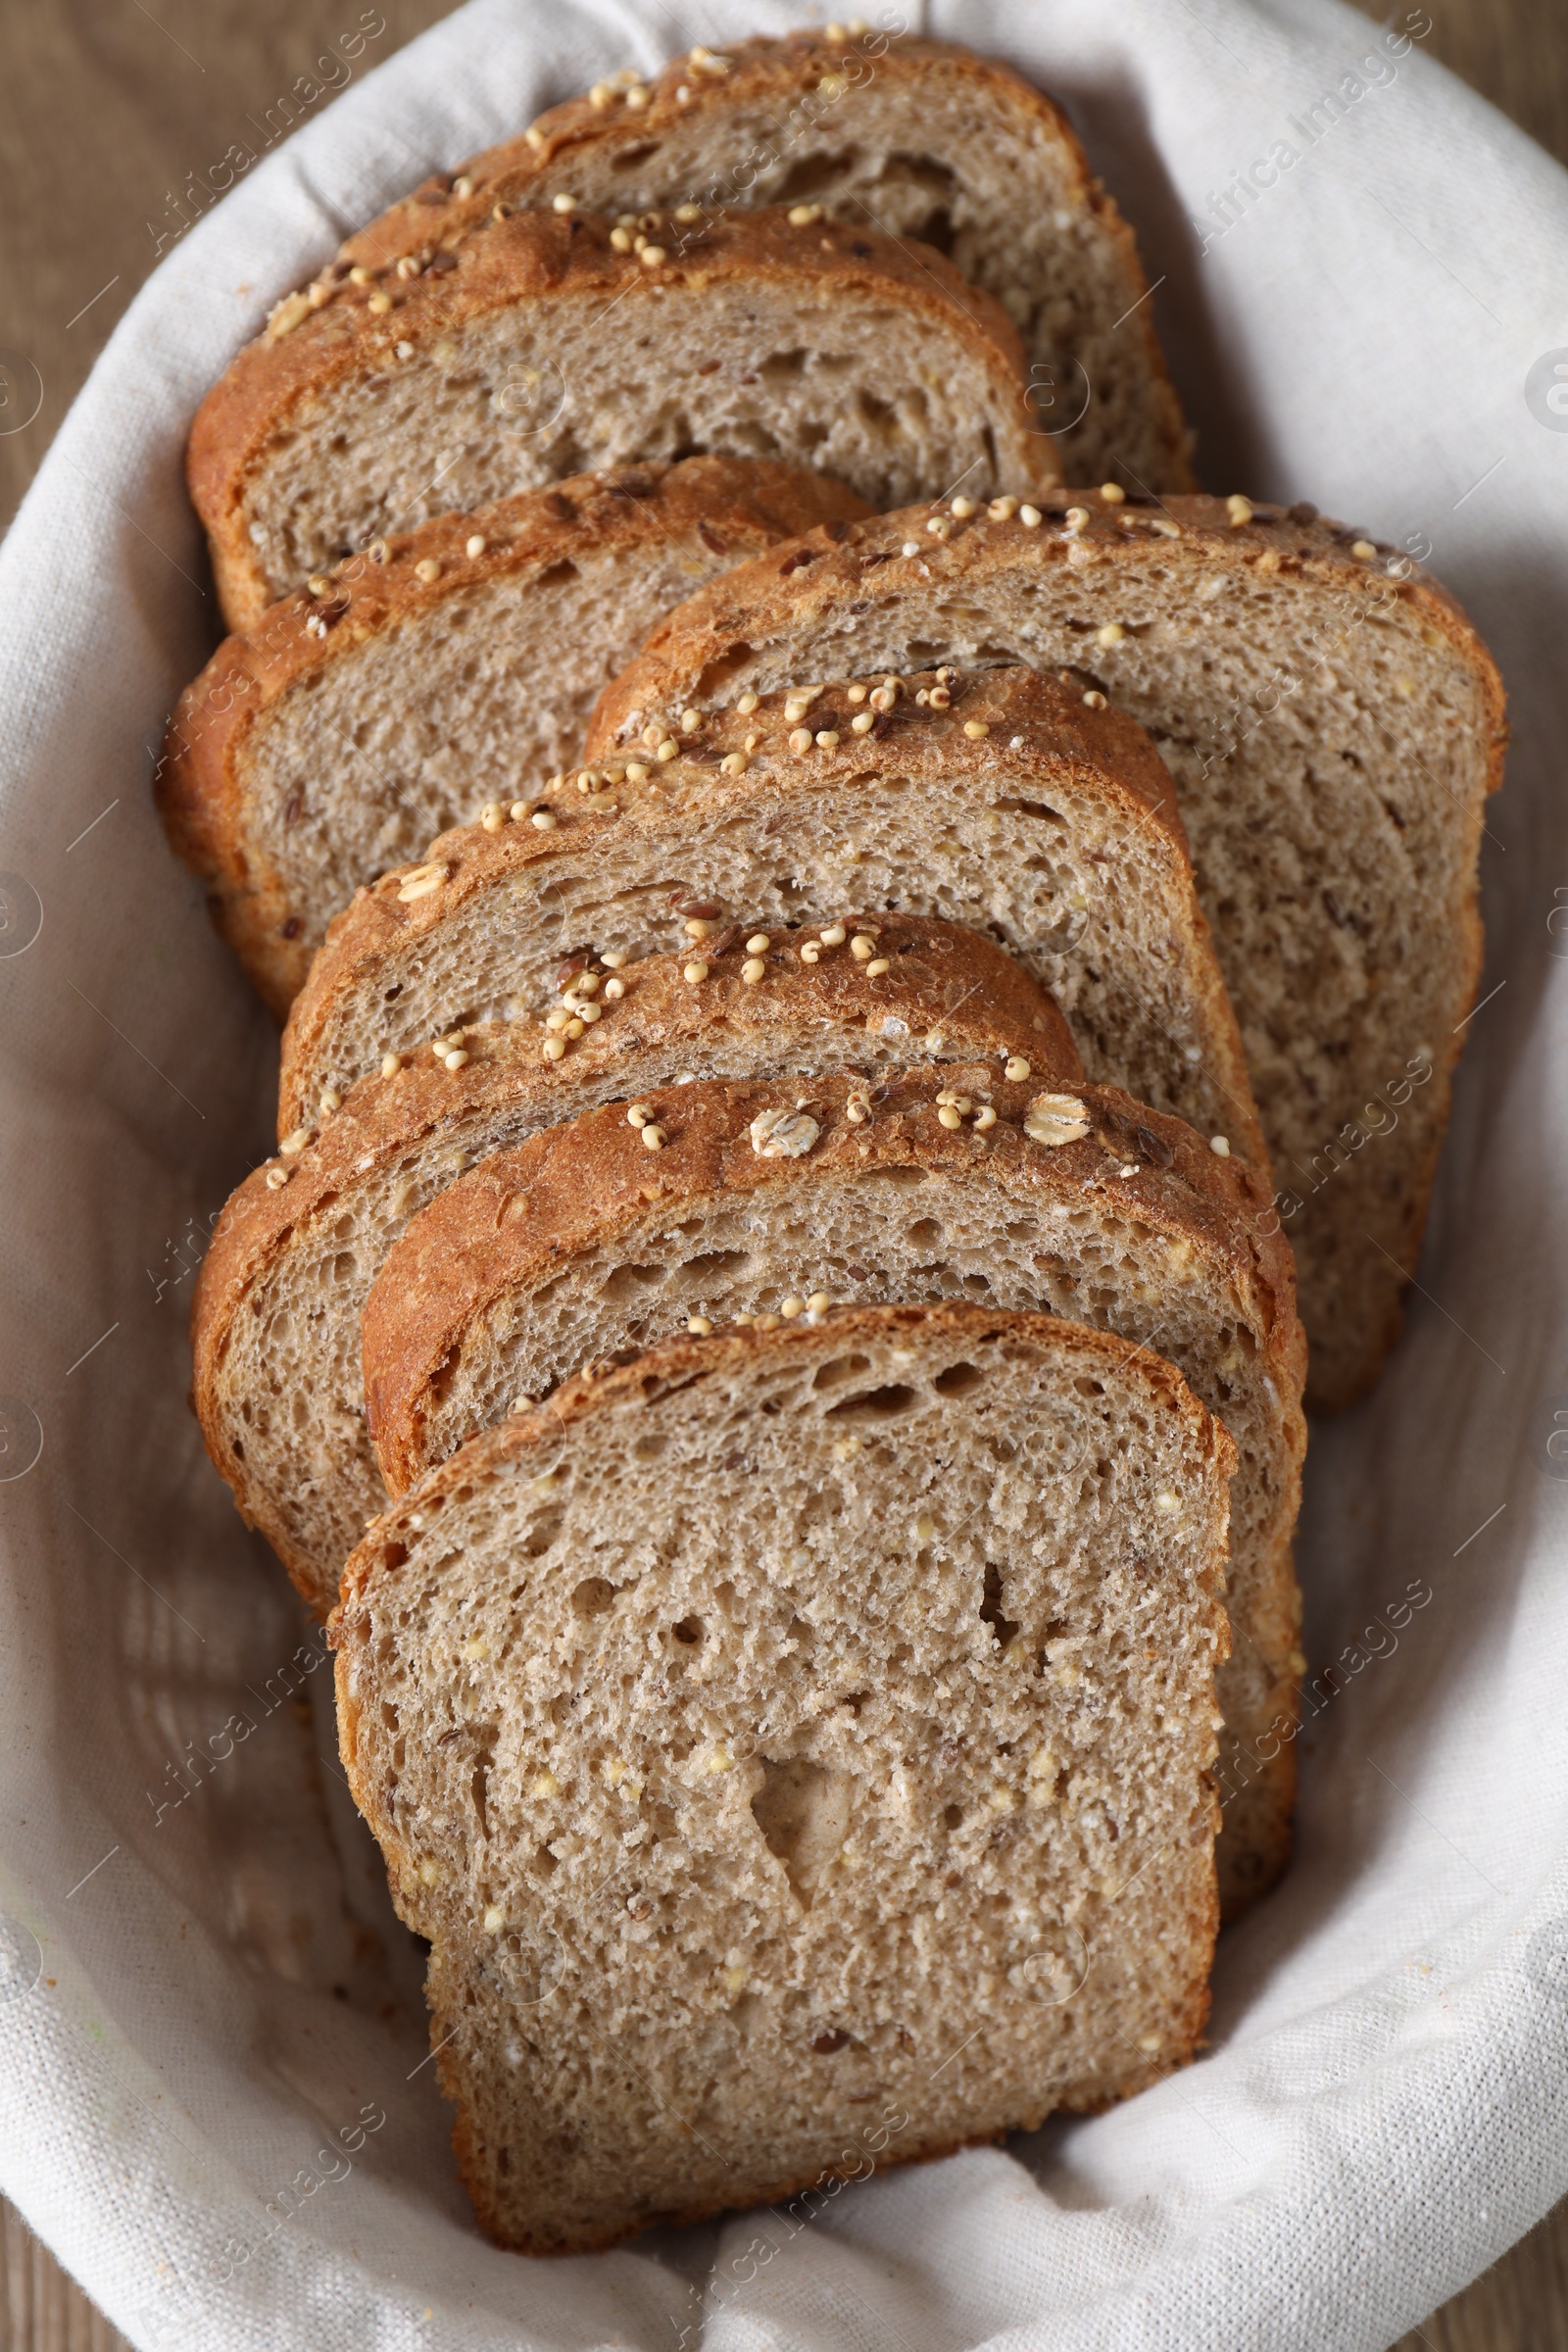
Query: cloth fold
x=215, y=2096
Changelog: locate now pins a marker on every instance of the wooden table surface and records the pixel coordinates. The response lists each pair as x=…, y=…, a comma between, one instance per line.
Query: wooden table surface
x=159, y=94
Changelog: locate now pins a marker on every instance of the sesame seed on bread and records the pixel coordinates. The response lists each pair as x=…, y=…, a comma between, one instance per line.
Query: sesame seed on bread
x=276, y=1312
x=923, y=138
x=994, y=800
x=1333, y=726
x=930, y=1185
x=538, y=348
x=397, y=693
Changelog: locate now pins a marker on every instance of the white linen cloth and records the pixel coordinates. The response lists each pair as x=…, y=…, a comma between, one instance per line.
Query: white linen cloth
x=212, y=2099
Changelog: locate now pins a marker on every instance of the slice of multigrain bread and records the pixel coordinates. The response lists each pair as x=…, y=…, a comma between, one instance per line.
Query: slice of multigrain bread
x=918, y=137
x=793, y=1749
x=538, y=348
x=399, y=693
x=1001, y=803
x=1333, y=724
x=718, y=1200
x=275, y=1322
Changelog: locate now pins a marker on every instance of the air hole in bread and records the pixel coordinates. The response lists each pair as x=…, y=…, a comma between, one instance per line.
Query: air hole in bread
x=689, y=1631
x=722, y=1262
x=714, y=677
x=937, y=229
x=1036, y=809
x=991, y=1611
x=924, y=170
x=878, y=1404
x=626, y=1281
x=802, y=1810
x=813, y=174
x=593, y=1596
x=840, y=1368
x=958, y=1380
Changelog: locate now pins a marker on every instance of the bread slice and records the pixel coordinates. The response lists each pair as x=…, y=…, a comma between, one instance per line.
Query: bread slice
x=792, y=1749
x=583, y=1242
x=536, y=347
x=1333, y=724
x=921, y=138
x=1014, y=809
x=275, y=1322
x=406, y=689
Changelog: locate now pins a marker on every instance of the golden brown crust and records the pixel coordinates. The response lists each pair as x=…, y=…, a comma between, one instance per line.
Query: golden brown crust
x=779, y=79
x=722, y=509
x=930, y=965
x=761, y=601
x=675, y=1362
x=776, y=593
x=1053, y=723
x=988, y=1007
x=772, y=73
x=535, y=255
x=592, y=1185
x=1037, y=728
x=998, y=1008
x=588, y=1184
x=681, y=1363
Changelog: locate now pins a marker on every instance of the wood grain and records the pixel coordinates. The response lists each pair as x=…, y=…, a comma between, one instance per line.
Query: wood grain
x=41, y=2310
x=165, y=87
